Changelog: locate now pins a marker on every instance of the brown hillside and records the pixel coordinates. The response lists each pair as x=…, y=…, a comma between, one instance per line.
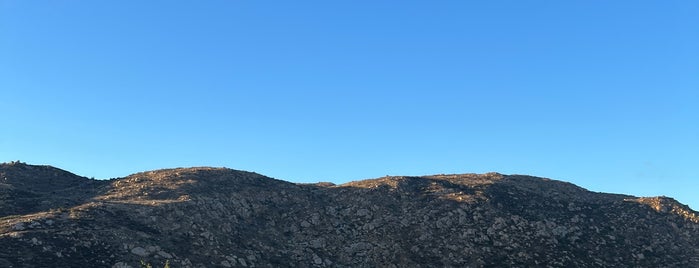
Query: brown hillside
x=217, y=217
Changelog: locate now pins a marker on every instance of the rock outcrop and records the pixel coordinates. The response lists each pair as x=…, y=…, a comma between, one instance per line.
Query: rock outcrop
x=217, y=217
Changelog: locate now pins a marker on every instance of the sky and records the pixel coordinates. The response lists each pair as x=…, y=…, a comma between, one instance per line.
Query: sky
x=602, y=94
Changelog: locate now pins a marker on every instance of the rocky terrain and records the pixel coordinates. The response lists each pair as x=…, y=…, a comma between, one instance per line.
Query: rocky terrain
x=217, y=217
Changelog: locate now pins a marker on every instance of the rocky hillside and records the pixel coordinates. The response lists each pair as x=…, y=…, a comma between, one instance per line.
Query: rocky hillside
x=216, y=217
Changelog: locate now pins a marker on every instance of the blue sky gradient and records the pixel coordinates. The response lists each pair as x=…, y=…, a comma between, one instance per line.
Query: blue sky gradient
x=599, y=93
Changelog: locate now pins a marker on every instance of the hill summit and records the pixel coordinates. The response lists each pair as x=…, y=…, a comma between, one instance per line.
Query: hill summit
x=219, y=217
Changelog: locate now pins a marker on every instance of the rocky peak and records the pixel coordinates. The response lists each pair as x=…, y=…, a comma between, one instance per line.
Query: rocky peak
x=32, y=188
x=37, y=178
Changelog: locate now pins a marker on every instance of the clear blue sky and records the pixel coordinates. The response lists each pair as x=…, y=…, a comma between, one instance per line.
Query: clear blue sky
x=604, y=94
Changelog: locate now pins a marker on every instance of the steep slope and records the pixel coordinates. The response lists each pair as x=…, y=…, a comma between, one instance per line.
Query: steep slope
x=216, y=217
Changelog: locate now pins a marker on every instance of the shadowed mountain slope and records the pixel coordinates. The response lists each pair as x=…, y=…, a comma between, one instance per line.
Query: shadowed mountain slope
x=217, y=217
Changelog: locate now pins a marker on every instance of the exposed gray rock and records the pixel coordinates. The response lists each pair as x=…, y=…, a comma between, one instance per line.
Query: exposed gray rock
x=165, y=254
x=139, y=251
x=18, y=226
x=121, y=265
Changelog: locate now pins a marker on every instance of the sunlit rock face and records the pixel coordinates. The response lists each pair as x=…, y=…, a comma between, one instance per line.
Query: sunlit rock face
x=217, y=217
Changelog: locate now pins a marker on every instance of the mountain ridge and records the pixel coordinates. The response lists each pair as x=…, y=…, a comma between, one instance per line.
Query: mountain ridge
x=219, y=217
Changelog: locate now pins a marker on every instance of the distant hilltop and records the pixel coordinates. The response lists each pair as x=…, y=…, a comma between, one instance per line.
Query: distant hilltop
x=219, y=217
